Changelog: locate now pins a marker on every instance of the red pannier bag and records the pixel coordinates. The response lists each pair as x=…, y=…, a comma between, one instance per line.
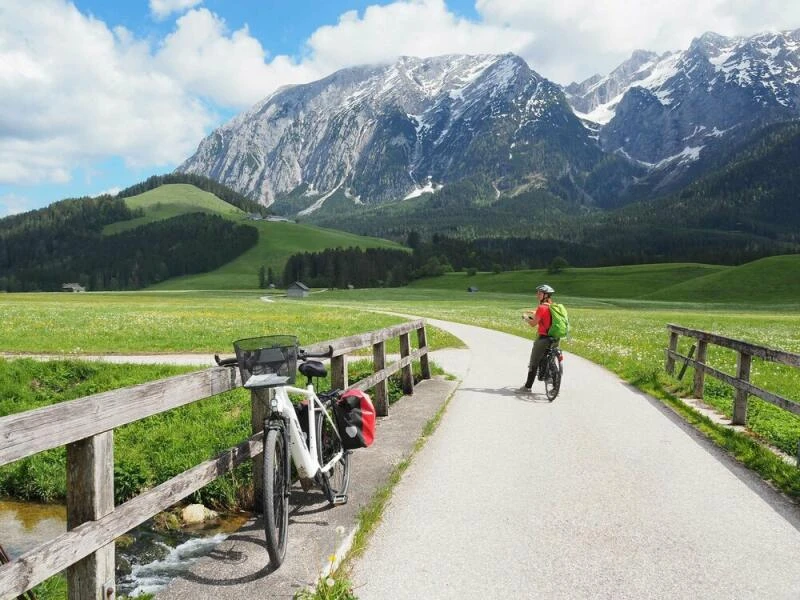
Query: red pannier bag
x=355, y=418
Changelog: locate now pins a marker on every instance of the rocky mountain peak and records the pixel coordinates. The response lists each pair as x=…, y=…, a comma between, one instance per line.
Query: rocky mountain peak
x=662, y=111
x=379, y=132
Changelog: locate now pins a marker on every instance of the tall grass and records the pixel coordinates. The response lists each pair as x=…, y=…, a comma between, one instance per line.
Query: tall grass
x=147, y=452
x=124, y=323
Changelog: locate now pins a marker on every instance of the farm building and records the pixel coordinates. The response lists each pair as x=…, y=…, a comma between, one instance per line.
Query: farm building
x=297, y=290
x=75, y=287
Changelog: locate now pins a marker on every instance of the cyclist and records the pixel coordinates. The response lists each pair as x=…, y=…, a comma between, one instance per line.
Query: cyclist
x=541, y=320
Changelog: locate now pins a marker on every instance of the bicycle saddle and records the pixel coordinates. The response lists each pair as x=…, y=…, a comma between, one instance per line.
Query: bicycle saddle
x=313, y=368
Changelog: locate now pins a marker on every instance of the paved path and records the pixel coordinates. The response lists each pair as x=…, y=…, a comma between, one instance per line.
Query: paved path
x=602, y=494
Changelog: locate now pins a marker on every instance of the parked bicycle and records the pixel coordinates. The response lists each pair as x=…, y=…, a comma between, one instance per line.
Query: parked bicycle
x=551, y=369
x=313, y=446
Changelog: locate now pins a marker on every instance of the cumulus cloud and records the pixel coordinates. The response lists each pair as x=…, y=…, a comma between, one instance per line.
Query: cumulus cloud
x=73, y=92
x=578, y=38
x=228, y=67
x=415, y=28
x=232, y=68
x=161, y=9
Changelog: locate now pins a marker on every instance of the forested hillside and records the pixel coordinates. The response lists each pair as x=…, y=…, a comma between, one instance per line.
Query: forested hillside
x=64, y=243
x=746, y=208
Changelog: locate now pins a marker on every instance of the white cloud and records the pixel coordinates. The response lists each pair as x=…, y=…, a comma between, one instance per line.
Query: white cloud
x=12, y=204
x=415, y=28
x=161, y=9
x=232, y=68
x=73, y=92
x=577, y=38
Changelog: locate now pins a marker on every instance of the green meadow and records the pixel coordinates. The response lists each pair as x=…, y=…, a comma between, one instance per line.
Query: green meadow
x=768, y=282
x=277, y=241
x=171, y=200
x=625, y=334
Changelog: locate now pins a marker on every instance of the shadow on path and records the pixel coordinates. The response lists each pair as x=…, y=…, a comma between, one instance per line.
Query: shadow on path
x=511, y=392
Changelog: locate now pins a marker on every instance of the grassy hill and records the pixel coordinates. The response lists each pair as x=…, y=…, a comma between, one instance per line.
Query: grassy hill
x=776, y=280
x=277, y=242
x=169, y=201
x=631, y=281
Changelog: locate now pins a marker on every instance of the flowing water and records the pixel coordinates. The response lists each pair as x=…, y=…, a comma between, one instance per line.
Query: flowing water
x=146, y=561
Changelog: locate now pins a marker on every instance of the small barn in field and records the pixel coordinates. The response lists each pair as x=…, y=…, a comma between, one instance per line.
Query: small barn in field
x=297, y=290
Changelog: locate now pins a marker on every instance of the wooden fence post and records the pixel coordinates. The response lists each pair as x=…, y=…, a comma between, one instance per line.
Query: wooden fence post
x=260, y=400
x=669, y=364
x=408, y=373
x=740, y=400
x=90, y=496
x=339, y=372
x=381, y=389
x=422, y=340
x=699, y=374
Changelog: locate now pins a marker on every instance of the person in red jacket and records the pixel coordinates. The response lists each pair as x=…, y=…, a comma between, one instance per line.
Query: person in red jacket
x=540, y=319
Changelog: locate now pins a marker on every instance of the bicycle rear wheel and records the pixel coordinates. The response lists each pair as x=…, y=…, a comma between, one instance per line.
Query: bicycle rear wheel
x=552, y=379
x=336, y=481
x=276, y=494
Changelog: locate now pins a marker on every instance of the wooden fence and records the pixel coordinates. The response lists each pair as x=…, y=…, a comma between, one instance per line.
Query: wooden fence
x=86, y=427
x=741, y=382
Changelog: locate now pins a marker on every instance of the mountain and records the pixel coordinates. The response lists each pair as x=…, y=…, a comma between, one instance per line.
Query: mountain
x=483, y=147
x=378, y=134
x=665, y=112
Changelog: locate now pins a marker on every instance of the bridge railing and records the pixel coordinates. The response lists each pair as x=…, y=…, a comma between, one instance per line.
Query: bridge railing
x=86, y=427
x=741, y=382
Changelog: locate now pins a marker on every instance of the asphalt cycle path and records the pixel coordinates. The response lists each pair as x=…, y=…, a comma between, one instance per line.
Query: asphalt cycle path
x=603, y=493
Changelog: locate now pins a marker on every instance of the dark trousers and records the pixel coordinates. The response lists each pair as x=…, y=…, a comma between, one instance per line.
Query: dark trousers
x=540, y=346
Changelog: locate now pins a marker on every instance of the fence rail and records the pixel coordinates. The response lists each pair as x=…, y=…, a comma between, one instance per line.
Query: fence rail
x=86, y=427
x=741, y=382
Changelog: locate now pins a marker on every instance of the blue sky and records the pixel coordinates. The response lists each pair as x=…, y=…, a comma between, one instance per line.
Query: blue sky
x=96, y=95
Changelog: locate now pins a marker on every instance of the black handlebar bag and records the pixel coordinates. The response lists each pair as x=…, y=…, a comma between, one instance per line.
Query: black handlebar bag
x=355, y=419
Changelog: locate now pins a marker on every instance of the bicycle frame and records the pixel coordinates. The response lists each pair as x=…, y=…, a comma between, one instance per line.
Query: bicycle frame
x=304, y=457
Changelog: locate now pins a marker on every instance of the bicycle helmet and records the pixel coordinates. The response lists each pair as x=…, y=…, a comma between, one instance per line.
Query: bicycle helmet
x=545, y=289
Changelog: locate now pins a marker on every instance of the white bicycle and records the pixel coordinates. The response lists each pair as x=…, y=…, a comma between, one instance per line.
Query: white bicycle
x=315, y=446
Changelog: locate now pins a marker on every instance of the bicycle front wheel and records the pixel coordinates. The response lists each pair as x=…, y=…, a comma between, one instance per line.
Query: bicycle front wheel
x=276, y=494
x=335, y=482
x=552, y=380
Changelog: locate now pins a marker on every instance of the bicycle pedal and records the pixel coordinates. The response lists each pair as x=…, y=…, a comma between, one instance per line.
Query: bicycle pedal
x=340, y=499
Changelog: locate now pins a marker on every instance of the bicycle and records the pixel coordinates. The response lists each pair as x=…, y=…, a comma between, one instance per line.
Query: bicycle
x=316, y=450
x=551, y=369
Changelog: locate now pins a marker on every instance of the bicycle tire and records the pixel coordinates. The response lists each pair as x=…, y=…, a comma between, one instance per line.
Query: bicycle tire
x=552, y=378
x=275, y=502
x=337, y=480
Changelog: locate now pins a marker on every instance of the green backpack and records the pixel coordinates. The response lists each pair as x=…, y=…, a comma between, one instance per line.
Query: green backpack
x=559, y=326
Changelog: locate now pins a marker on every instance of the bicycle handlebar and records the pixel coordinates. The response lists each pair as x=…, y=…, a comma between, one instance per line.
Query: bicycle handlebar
x=225, y=362
x=302, y=354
